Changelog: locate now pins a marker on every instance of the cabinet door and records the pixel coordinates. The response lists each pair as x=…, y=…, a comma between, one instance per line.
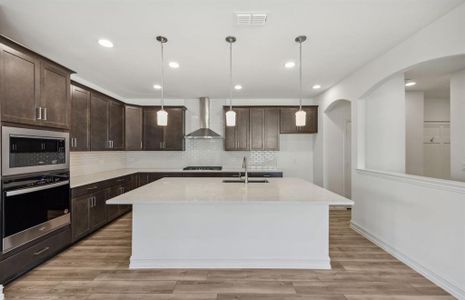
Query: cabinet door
x=242, y=129
x=257, y=130
x=54, y=95
x=98, y=210
x=237, y=138
x=116, y=125
x=80, y=119
x=311, y=120
x=19, y=86
x=271, y=129
x=152, y=133
x=288, y=120
x=80, y=223
x=112, y=210
x=133, y=128
x=98, y=122
x=173, y=136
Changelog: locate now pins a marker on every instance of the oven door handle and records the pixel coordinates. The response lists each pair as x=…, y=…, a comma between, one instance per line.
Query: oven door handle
x=36, y=188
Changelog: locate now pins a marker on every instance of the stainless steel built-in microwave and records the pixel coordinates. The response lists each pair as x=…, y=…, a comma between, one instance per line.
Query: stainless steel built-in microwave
x=27, y=150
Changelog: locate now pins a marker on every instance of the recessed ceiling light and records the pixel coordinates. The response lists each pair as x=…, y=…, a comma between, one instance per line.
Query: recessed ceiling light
x=238, y=87
x=289, y=65
x=157, y=86
x=316, y=87
x=105, y=43
x=173, y=64
x=409, y=83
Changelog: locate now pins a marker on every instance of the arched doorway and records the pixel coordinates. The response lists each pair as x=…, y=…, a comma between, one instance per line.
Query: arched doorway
x=338, y=157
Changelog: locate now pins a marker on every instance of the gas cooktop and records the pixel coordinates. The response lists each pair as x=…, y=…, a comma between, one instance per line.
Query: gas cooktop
x=203, y=168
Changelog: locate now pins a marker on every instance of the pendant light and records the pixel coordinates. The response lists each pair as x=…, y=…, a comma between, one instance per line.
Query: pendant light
x=162, y=114
x=230, y=114
x=300, y=115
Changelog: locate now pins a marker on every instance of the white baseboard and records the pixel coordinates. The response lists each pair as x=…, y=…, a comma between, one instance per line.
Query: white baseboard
x=1, y=292
x=452, y=288
x=323, y=264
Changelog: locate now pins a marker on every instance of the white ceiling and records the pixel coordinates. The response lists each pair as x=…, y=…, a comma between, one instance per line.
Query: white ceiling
x=343, y=36
x=433, y=77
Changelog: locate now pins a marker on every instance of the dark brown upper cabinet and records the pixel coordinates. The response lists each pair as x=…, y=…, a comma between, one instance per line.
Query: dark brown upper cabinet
x=34, y=91
x=164, y=138
x=288, y=120
x=173, y=138
x=80, y=119
x=237, y=138
x=133, y=128
x=99, y=120
x=106, y=123
x=54, y=95
x=264, y=128
x=116, y=126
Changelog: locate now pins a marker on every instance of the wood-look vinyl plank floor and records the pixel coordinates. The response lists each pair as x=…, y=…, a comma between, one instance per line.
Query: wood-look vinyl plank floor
x=96, y=268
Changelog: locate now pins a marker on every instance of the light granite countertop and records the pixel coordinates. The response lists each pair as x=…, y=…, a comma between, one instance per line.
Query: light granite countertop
x=77, y=181
x=213, y=190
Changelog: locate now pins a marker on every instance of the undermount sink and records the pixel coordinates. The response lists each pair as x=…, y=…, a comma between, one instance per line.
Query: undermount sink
x=251, y=180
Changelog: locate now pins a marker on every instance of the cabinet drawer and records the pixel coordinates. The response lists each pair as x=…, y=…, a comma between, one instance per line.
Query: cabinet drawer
x=17, y=264
x=85, y=190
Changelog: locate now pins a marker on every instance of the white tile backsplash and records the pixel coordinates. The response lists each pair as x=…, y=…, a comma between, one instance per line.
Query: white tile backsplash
x=85, y=163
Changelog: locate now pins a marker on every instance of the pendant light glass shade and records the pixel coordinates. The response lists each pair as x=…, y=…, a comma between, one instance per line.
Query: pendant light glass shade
x=300, y=118
x=230, y=118
x=162, y=114
x=300, y=115
x=162, y=117
x=230, y=114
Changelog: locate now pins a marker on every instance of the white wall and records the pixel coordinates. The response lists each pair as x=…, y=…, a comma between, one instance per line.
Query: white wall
x=339, y=116
x=295, y=157
x=385, y=126
x=414, y=107
x=457, y=125
x=437, y=109
x=419, y=220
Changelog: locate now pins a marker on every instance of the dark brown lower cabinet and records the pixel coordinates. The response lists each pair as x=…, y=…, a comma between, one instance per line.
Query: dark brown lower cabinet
x=97, y=210
x=13, y=265
x=80, y=216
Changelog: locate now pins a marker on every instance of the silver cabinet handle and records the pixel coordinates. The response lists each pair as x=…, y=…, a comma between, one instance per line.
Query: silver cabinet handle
x=45, y=113
x=35, y=189
x=41, y=251
x=39, y=113
x=141, y=146
x=112, y=145
x=75, y=142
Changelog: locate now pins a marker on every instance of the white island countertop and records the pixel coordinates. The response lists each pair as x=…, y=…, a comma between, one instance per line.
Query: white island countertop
x=213, y=190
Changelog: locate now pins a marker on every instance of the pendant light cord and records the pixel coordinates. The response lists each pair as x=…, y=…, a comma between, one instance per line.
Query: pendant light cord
x=162, y=78
x=300, y=75
x=230, y=76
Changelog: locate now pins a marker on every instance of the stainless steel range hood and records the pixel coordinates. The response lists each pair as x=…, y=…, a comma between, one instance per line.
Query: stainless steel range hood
x=204, y=132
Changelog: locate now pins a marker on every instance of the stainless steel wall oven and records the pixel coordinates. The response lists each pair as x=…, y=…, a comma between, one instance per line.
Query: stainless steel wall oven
x=33, y=206
x=27, y=150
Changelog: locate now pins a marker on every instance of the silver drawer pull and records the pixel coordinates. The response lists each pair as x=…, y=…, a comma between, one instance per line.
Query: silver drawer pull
x=92, y=187
x=41, y=251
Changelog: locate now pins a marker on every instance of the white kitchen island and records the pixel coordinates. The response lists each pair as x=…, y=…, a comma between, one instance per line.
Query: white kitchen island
x=205, y=223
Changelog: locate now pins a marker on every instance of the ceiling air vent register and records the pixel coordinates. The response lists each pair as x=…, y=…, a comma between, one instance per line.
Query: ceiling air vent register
x=251, y=18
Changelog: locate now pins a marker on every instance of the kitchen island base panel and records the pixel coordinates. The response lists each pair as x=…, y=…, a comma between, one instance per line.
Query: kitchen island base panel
x=285, y=235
